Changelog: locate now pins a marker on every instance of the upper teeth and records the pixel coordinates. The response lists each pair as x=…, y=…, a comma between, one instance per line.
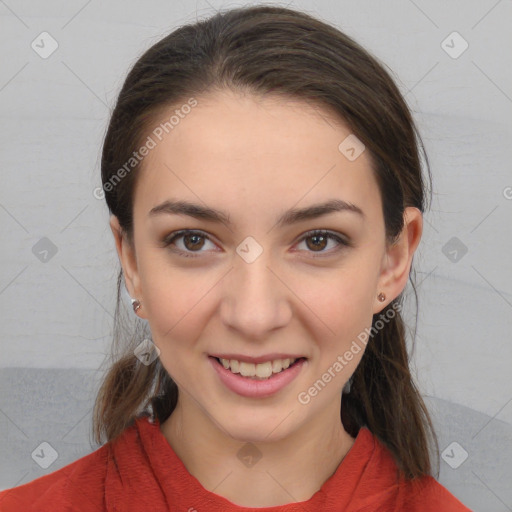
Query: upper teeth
x=261, y=370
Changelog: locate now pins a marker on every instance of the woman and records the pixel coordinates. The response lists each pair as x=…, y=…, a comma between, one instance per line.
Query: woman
x=264, y=181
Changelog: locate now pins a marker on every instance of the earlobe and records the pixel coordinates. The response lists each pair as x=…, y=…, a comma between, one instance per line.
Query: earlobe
x=398, y=257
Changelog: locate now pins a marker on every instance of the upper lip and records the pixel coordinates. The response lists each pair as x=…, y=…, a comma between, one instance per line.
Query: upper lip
x=256, y=359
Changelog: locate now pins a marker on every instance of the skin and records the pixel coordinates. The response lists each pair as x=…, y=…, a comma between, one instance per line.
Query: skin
x=255, y=157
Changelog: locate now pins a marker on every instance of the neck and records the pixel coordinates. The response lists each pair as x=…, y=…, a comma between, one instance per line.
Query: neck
x=290, y=469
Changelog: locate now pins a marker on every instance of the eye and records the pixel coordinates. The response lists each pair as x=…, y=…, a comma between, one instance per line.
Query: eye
x=320, y=239
x=191, y=241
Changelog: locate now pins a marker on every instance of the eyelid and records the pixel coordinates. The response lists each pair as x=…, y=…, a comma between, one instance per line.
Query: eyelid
x=343, y=241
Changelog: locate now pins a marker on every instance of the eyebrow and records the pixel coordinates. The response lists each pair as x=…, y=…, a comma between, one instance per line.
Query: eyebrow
x=289, y=217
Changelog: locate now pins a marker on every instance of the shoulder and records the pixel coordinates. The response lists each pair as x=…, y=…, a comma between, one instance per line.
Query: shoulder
x=428, y=495
x=79, y=481
x=83, y=484
x=382, y=483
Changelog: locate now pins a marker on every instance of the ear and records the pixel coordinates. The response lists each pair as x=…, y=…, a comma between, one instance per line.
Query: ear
x=128, y=260
x=397, y=261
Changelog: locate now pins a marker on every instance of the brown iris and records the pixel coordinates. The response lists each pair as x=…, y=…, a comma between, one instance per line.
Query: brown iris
x=197, y=241
x=323, y=241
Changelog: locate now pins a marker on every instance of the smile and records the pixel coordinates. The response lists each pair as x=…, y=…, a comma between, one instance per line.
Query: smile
x=257, y=379
x=259, y=370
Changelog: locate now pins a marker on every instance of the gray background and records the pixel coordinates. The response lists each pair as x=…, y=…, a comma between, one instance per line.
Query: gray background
x=56, y=308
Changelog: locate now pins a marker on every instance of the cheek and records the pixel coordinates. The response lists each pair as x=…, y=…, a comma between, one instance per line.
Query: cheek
x=170, y=297
x=341, y=310
x=340, y=302
x=173, y=310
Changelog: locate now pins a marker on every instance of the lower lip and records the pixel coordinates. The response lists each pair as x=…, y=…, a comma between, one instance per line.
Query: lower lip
x=253, y=388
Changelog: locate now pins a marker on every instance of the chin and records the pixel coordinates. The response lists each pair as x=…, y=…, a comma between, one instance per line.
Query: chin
x=251, y=425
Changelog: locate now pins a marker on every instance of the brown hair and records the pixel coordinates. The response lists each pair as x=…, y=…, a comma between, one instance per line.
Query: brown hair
x=263, y=50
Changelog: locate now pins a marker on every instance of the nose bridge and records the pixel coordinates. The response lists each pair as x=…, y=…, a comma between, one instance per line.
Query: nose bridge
x=254, y=300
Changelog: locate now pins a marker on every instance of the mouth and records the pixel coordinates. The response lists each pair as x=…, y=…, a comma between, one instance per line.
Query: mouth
x=257, y=379
x=259, y=371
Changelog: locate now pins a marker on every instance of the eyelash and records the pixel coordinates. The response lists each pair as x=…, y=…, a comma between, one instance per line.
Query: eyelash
x=168, y=240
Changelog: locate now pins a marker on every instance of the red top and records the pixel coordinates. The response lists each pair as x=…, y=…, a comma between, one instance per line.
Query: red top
x=139, y=471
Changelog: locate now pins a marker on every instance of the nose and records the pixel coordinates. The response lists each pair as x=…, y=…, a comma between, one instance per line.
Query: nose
x=255, y=300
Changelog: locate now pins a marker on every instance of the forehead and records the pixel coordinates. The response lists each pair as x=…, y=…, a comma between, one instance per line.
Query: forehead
x=263, y=153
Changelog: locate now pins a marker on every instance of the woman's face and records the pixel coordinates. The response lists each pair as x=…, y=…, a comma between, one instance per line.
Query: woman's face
x=255, y=286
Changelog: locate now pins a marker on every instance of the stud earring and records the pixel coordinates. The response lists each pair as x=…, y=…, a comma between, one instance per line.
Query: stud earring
x=135, y=305
x=381, y=296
